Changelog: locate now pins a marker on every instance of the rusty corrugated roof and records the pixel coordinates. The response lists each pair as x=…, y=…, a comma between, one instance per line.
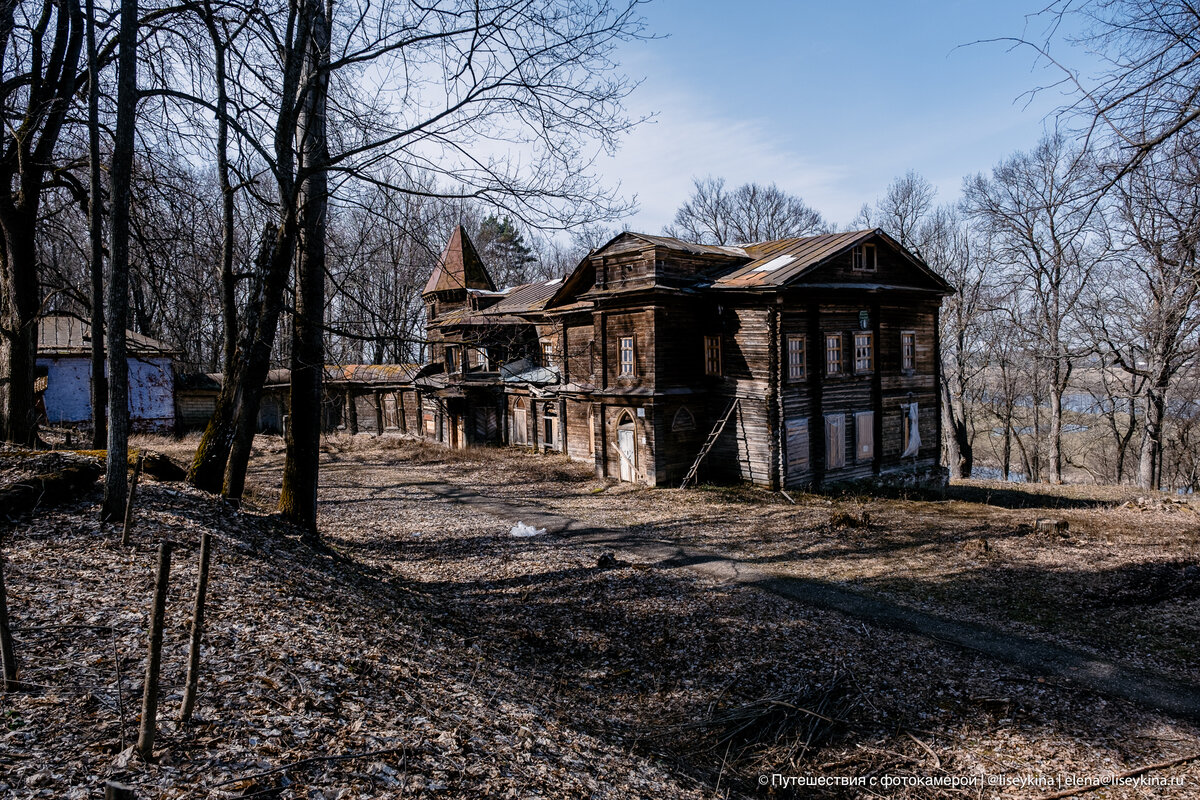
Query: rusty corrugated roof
x=526, y=298
x=775, y=263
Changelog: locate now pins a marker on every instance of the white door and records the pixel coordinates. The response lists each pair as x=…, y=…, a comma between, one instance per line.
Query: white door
x=627, y=452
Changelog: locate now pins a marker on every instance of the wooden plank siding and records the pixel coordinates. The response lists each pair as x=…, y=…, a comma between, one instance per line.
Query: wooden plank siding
x=709, y=325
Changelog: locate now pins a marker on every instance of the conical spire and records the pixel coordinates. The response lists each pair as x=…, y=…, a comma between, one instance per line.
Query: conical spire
x=460, y=267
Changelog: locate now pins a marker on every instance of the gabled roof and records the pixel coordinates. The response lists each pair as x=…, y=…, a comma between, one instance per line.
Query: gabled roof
x=778, y=263
x=61, y=335
x=460, y=267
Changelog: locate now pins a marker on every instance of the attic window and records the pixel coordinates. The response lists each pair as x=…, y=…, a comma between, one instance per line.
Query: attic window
x=862, y=258
x=775, y=263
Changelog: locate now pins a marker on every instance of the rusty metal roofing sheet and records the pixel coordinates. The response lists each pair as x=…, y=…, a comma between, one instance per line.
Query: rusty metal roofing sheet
x=526, y=298
x=775, y=263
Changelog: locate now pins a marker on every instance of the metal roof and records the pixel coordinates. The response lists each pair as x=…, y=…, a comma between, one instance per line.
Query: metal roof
x=775, y=263
x=526, y=298
x=59, y=334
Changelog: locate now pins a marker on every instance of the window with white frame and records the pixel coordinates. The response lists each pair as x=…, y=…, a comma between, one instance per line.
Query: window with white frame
x=712, y=355
x=862, y=258
x=864, y=352
x=796, y=356
x=626, y=352
x=833, y=354
x=481, y=358
x=547, y=354
x=908, y=351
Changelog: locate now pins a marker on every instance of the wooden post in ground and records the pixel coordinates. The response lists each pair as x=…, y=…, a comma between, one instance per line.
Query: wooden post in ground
x=6, y=644
x=145, y=744
x=118, y=791
x=137, y=471
x=193, y=671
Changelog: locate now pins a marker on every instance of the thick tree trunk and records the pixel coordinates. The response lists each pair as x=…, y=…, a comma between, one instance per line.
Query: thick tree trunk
x=99, y=387
x=1149, y=469
x=298, y=495
x=959, y=451
x=18, y=331
x=120, y=175
x=232, y=425
x=1056, y=424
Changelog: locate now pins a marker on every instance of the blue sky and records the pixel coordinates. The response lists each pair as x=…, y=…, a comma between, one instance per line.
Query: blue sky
x=830, y=100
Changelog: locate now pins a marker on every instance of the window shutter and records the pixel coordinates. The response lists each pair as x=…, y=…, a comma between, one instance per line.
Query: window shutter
x=864, y=435
x=797, y=444
x=835, y=441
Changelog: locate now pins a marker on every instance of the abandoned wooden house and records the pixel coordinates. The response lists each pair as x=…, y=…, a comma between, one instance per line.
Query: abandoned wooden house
x=795, y=362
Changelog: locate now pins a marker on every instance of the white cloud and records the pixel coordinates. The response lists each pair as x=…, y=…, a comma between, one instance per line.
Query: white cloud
x=687, y=139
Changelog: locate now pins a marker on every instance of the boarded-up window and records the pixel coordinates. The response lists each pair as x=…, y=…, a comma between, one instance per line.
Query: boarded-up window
x=864, y=352
x=864, y=435
x=797, y=445
x=626, y=355
x=833, y=354
x=430, y=423
x=712, y=355
x=908, y=351
x=835, y=441
x=796, y=365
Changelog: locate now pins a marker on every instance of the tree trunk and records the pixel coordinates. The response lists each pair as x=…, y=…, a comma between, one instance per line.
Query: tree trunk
x=1149, y=471
x=1056, y=423
x=229, y=315
x=298, y=495
x=959, y=450
x=18, y=337
x=99, y=387
x=120, y=175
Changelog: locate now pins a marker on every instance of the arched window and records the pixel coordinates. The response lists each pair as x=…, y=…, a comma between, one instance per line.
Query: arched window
x=683, y=421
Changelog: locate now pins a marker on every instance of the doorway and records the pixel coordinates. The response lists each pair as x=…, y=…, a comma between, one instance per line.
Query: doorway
x=626, y=449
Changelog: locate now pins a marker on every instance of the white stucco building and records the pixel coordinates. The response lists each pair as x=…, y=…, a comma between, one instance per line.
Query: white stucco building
x=64, y=368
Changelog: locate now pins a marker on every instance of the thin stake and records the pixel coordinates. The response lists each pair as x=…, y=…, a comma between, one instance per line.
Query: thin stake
x=6, y=643
x=137, y=470
x=145, y=745
x=193, y=672
x=120, y=694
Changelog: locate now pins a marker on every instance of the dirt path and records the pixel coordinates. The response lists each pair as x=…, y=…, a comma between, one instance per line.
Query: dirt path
x=1107, y=677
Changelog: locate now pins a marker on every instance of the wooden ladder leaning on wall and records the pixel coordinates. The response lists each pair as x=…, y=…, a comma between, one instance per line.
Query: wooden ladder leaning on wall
x=709, y=442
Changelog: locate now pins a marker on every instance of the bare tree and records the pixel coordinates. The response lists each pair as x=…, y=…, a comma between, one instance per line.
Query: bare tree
x=947, y=246
x=903, y=210
x=40, y=46
x=1048, y=235
x=1148, y=312
x=750, y=213
x=1147, y=92
x=120, y=175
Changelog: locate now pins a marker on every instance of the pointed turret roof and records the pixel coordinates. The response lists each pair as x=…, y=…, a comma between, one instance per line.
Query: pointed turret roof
x=460, y=267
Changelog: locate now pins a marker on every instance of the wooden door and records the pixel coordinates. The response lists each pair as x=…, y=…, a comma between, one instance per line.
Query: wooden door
x=627, y=452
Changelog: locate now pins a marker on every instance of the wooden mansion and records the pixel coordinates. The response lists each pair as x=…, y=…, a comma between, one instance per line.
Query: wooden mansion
x=797, y=362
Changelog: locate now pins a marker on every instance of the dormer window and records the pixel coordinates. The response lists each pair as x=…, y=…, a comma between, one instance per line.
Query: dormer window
x=862, y=258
